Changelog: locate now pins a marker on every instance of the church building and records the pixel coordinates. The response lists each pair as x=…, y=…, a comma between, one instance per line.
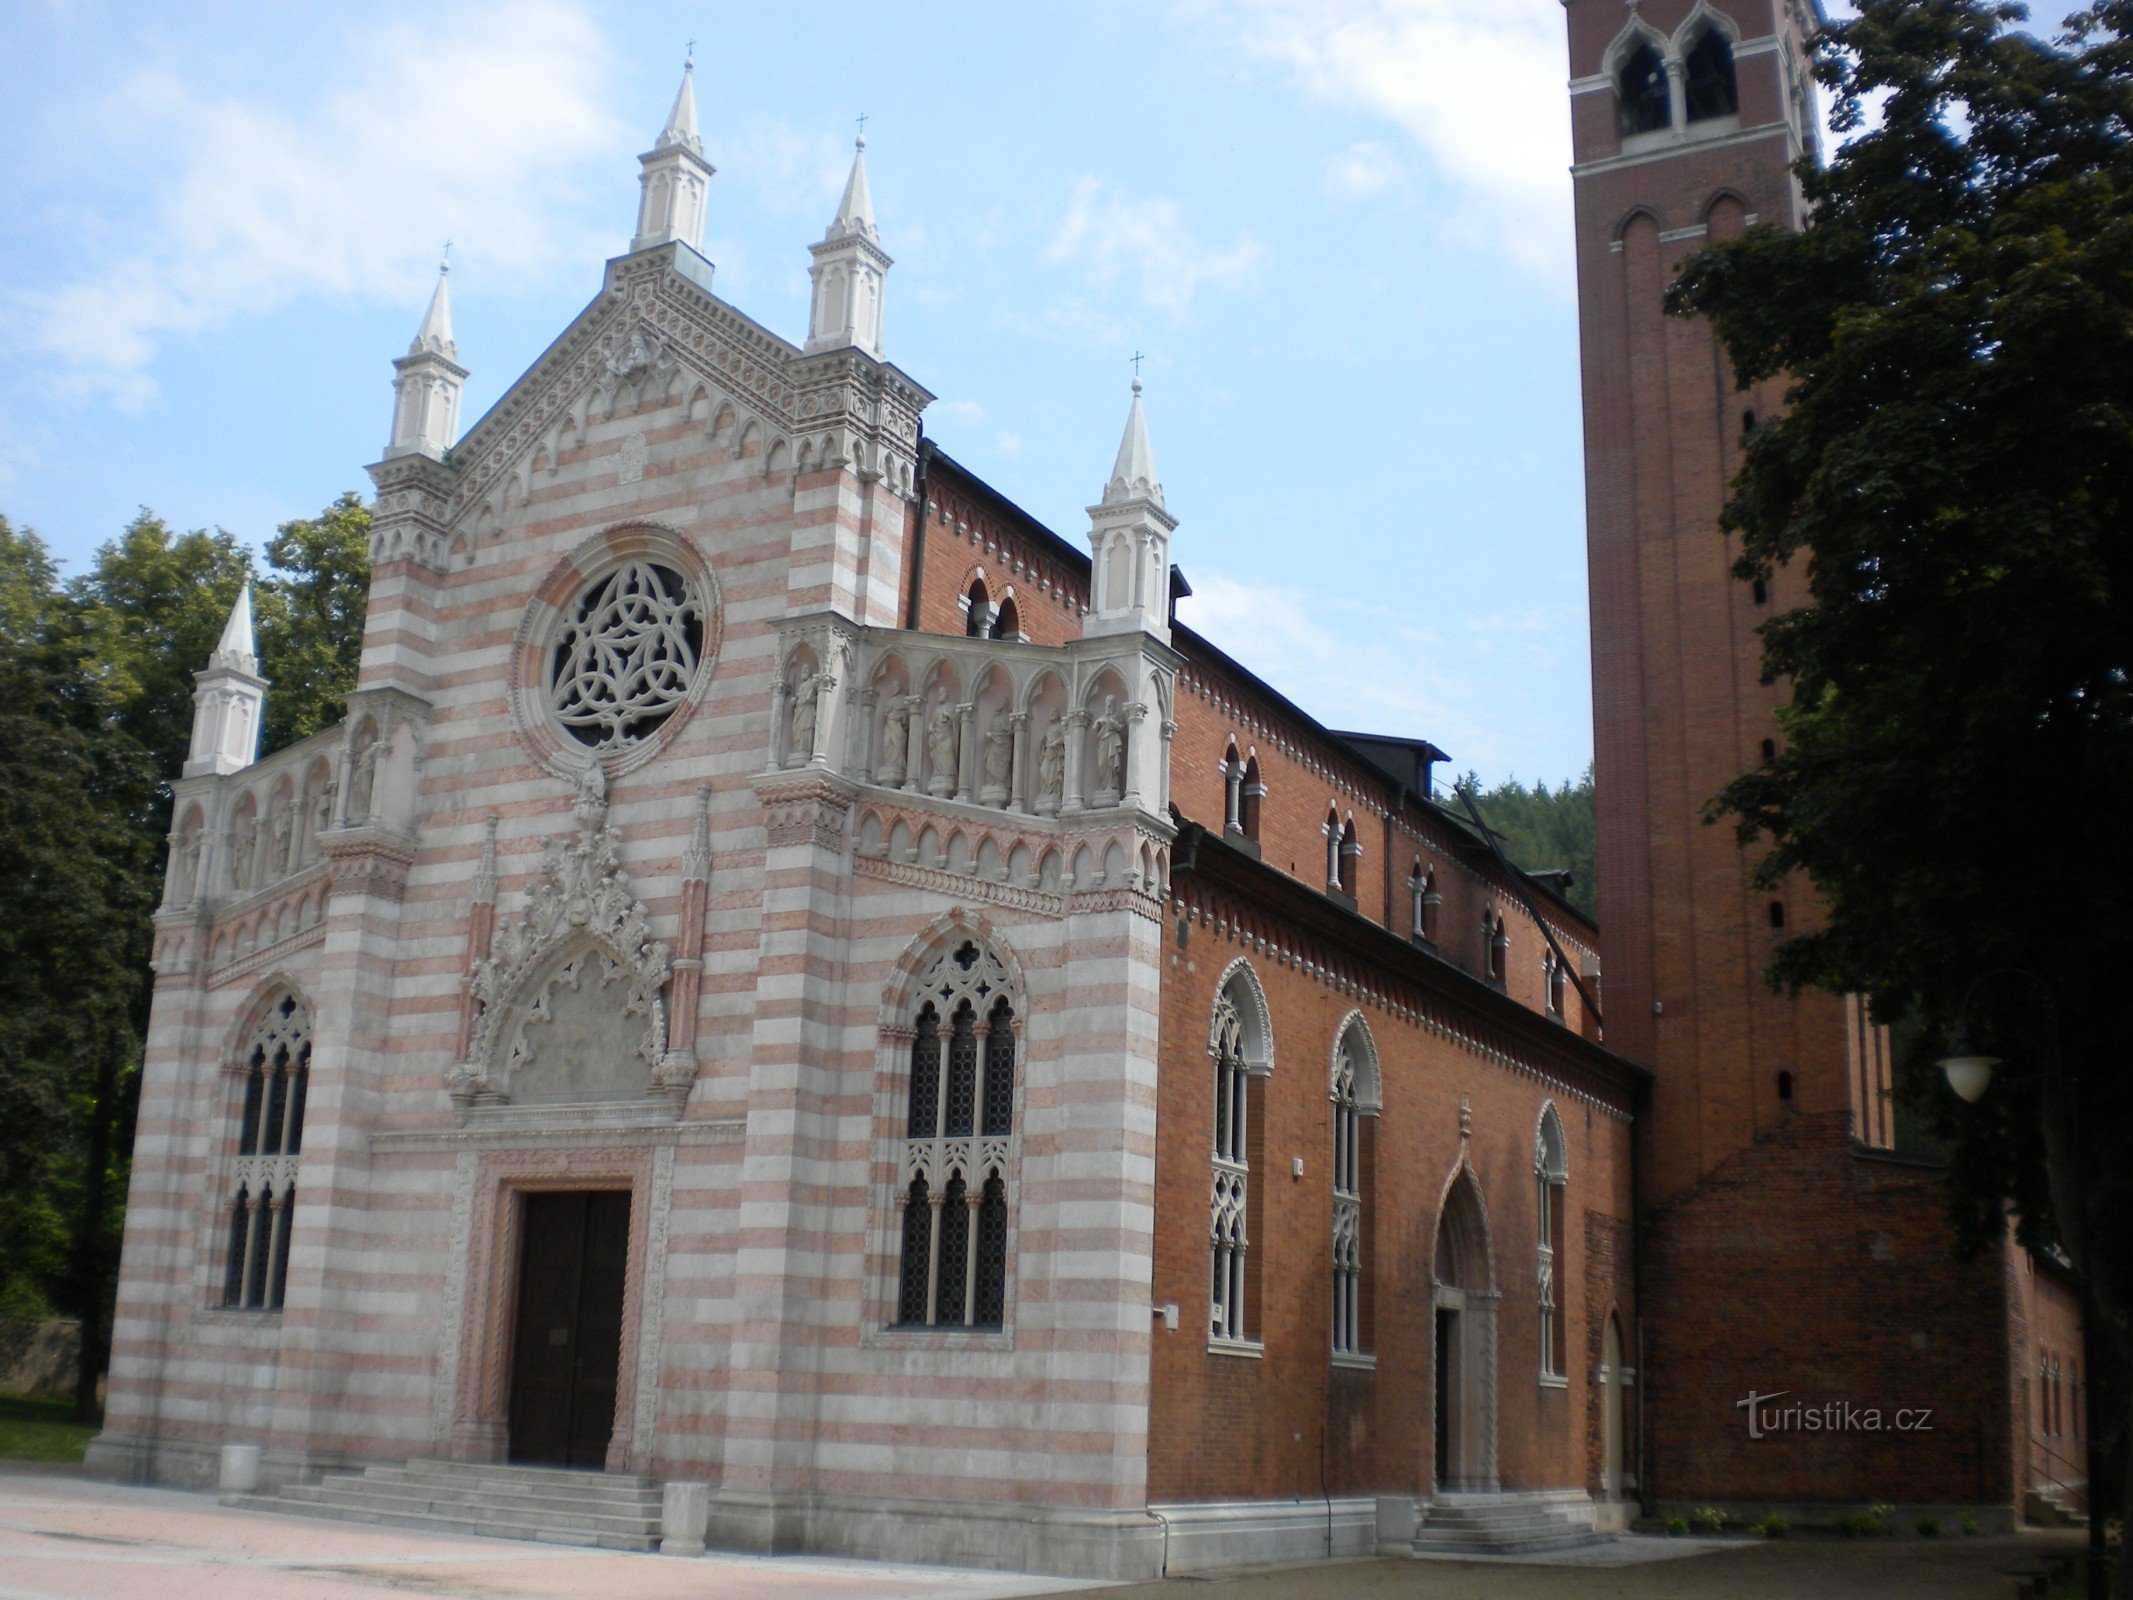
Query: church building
x=810, y=1001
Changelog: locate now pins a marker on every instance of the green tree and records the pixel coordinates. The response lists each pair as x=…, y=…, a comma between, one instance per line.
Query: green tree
x=311, y=613
x=1954, y=475
x=1545, y=830
x=77, y=883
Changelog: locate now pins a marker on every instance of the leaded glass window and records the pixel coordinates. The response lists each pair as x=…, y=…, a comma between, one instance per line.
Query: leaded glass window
x=1347, y=1204
x=1228, y=1204
x=276, y=1068
x=1551, y=1175
x=627, y=656
x=958, y=1131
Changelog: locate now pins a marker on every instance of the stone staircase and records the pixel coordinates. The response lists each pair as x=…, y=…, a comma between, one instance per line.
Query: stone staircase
x=2054, y=1505
x=1505, y=1524
x=548, y=1504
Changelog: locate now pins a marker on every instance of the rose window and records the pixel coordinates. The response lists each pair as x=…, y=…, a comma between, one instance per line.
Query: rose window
x=627, y=655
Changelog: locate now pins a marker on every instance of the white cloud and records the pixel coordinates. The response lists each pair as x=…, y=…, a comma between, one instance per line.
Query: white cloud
x=1377, y=668
x=1476, y=84
x=1008, y=443
x=969, y=411
x=458, y=126
x=1146, y=243
x=1364, y=171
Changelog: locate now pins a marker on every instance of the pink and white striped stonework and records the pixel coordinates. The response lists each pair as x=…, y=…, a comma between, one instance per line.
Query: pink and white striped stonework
x=711, y=726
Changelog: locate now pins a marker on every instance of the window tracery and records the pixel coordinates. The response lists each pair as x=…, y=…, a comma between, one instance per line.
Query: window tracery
x=276, y=1065
x=627, y=656
x=1551, y=1176
x=958, y=1128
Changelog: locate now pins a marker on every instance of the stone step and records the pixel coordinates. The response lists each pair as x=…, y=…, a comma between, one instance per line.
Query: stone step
x=371, y=1497
x=563, y=1496
x=476, y=1527
x=1511, y=1524
x=548, y=1505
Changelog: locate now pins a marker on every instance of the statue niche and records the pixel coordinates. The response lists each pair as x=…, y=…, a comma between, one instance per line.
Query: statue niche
x=572, y=1002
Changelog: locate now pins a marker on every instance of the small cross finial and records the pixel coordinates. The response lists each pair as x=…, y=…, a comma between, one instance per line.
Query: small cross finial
x=688, y=59
x=862, y=140
x=1137, y=358
x=445, y=265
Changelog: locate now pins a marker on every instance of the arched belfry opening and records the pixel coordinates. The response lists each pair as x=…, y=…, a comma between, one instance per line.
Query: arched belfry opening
x=1708, y=81
x=1463, y=1304
x=1643, y=101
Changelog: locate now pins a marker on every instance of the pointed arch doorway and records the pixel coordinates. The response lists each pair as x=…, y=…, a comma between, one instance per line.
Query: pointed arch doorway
x=1463, y=1300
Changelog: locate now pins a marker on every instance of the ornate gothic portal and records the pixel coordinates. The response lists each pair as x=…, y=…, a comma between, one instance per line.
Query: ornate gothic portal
x=1463, y=1300
x=573, y=997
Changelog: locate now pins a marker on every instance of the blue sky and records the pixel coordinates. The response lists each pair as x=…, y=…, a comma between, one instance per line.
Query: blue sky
x=1339, y=230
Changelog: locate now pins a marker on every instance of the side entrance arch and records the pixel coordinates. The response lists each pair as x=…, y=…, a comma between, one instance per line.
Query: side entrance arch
x=1463, y=1303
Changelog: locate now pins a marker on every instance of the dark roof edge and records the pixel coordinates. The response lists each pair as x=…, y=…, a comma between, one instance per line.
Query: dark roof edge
x=1203, y=853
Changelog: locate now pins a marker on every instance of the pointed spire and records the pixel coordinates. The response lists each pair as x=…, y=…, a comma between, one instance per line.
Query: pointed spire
x=855, y=212
x=674, y=180
x=434, y=337
x=1133, y=475
x=681, y=121
x=235, y=649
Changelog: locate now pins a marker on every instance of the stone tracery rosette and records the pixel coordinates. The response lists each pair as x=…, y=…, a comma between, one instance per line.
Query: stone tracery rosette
x=615, y=650
x=582, y=904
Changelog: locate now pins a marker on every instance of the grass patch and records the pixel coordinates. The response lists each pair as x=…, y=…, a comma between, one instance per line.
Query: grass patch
x=41, y=1430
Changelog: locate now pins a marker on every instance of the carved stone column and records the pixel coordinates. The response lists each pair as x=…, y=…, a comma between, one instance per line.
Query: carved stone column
x=1076, y=748
x=780, y=725
x=966, y=764
x=859, y=746
x=825, y=714
x=914, y=741
x=1018, y=726
x=1130, y=758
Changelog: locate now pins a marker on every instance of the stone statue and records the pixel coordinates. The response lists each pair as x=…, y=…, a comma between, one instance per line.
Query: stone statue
x=188, y=871
x=242, y=844
x=895, y=740
x=284, y=838
x=1110, y=754
x=999, y=758
x=322, y=812
x=941, y=741
x=364, y=781
x=1051, y=768
x=805, y=695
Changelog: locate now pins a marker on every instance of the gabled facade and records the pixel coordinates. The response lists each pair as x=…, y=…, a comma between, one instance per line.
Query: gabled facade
x=792, y=978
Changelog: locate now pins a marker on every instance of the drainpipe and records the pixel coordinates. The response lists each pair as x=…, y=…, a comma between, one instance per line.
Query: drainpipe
x=918, y=535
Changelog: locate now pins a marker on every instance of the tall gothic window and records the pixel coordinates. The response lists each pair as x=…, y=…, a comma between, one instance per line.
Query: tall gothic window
x=1551, y=1175
x=1232, y=1176
x=1346, y=1195
x=1237, y=1047
x=959, y=1122
x=276, y=1067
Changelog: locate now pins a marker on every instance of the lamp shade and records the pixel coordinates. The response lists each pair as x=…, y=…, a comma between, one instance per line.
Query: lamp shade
x=1968, y=1076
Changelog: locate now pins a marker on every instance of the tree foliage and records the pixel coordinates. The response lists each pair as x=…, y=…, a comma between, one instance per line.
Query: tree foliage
x=1543, y=829
x=96, y=701
x=1954, y=474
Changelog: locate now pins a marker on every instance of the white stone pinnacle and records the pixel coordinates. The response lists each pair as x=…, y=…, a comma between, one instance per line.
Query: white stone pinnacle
x=855, y=212
x=1133, y=475
x=235, y=650
x=681, y=121
x=434, y=337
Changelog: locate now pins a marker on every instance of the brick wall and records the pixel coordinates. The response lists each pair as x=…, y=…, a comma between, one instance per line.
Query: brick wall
x=1226, y=1426
x=1804, y=1268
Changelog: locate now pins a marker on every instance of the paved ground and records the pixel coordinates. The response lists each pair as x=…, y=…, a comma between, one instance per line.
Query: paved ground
x=74, y=1538
x=1790, y=1569
x=65, y=1537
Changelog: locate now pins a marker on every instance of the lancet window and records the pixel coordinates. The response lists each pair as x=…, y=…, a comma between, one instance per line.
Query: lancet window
x=276, y=1071
x=959, y=1124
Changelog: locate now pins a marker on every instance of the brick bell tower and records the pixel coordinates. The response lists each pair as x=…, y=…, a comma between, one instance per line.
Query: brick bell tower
x=1786, y=1248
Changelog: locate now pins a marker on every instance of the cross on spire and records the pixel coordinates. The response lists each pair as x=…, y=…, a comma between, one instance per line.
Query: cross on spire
x=862, y=119
x=688, y=58
x=1137, y=358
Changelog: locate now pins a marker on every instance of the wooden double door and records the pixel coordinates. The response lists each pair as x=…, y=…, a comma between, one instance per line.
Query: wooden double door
x=567, y=1343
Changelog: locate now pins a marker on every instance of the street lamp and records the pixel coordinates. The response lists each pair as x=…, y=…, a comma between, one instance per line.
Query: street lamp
x=1969, y=1073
